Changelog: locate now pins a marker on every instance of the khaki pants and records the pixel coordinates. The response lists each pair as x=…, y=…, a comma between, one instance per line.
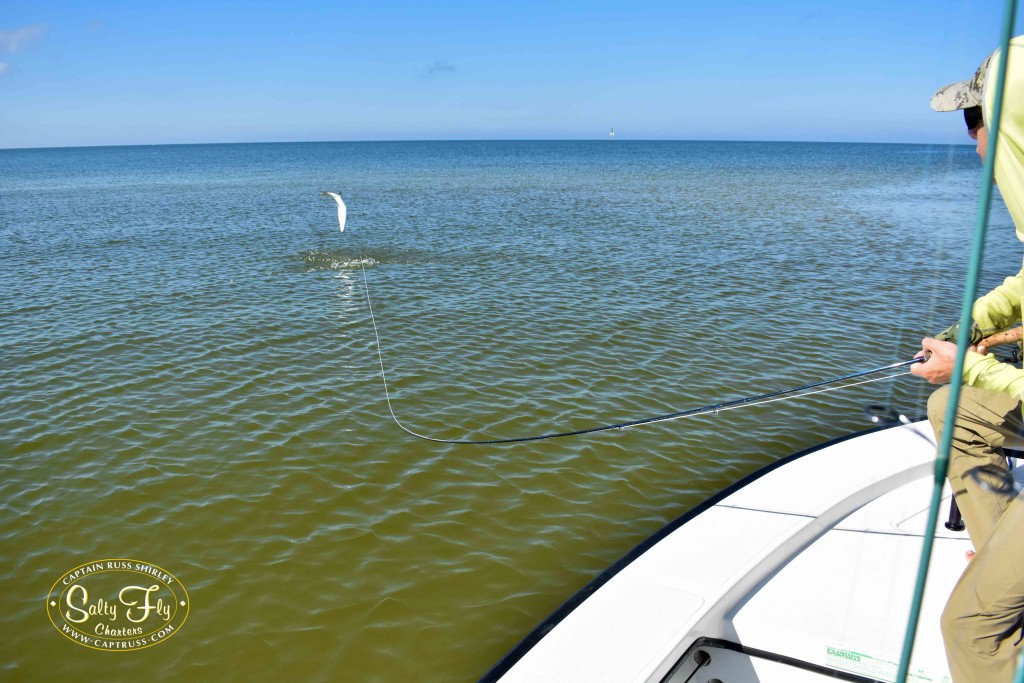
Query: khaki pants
x=982, y=619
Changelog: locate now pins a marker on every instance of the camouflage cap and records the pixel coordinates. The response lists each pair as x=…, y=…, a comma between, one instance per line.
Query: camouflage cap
x=965, y=94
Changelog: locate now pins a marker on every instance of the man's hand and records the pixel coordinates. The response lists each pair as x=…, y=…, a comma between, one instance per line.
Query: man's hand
x=938, y=369
x=1010, y=336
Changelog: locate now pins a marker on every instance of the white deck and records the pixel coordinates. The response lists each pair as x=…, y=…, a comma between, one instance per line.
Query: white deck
x=814, y=561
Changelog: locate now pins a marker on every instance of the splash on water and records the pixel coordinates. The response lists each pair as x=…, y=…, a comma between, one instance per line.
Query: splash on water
x=322, y=259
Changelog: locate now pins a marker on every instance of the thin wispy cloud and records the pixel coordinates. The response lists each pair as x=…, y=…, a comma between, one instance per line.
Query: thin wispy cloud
x=4, y=66
x=20, y=38
x=438, y=68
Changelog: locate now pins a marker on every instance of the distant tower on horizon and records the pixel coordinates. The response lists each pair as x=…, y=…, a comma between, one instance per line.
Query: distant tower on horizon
x=611, y=135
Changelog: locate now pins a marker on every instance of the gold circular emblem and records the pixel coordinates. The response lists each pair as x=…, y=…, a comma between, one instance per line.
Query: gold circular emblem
x=117, y=605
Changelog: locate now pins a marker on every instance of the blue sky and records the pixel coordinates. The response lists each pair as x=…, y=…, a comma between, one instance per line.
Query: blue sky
x=102, y=73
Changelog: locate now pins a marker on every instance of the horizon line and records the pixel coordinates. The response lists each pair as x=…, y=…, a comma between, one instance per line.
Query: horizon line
x=468, y=140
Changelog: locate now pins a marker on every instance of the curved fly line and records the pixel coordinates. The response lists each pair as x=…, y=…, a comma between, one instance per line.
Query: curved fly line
x=833, y=384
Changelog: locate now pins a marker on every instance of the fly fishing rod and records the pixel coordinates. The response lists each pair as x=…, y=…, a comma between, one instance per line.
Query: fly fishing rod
x=715, y=408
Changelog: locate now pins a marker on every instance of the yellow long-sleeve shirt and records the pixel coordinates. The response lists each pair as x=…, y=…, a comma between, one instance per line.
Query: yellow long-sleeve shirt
x=1001, y=308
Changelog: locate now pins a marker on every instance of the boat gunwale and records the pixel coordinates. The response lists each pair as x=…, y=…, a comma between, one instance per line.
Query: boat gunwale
x=512, y=657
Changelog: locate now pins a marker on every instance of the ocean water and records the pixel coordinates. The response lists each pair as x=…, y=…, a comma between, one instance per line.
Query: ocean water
x=189, y=375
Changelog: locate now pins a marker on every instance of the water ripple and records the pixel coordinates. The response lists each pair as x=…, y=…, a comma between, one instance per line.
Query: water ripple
x=176, y=390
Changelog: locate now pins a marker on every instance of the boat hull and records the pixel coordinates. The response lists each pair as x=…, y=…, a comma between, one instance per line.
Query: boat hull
x=802, y=571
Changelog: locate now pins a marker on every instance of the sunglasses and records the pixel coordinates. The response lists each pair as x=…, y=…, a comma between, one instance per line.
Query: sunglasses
x=973, y=118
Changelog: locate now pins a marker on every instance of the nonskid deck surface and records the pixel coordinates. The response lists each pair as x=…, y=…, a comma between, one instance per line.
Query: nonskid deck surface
x=812, y=563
